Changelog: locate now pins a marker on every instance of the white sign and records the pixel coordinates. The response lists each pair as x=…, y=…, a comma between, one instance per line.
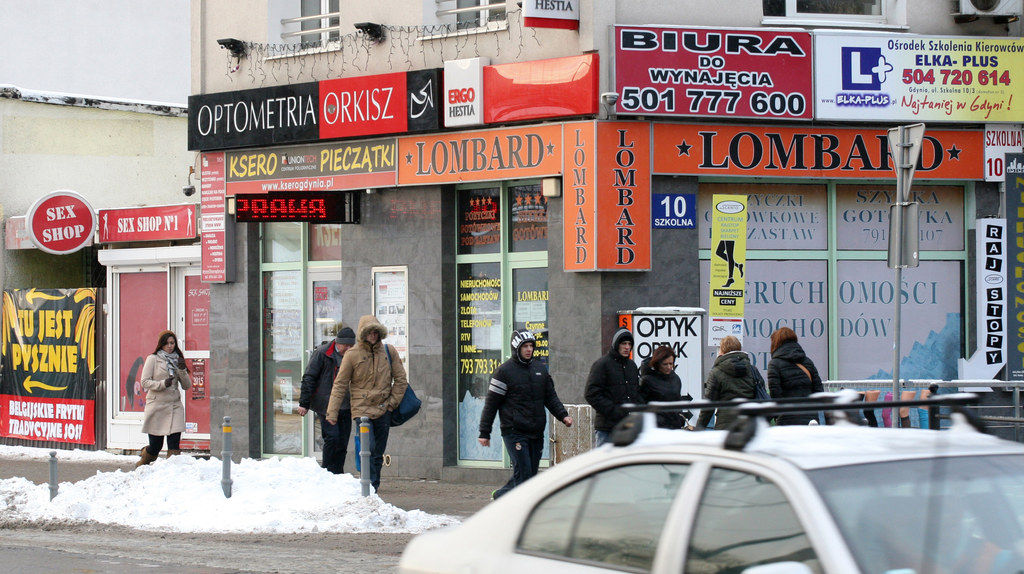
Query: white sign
x=552, y=13
x=679, y=331
x=990, y=317
x=1000, y=139
x=464, y=92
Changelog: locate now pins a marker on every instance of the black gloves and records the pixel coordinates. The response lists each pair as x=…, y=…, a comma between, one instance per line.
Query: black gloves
x=168, y=382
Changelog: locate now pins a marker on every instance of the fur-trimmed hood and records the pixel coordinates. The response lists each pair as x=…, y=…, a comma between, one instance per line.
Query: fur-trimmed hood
x=368, y=323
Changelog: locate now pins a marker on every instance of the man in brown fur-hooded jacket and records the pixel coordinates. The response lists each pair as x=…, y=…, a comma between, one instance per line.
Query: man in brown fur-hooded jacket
x=374, y=384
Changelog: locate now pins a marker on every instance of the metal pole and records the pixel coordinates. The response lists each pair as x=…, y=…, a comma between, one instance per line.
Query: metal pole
x=364, y=455
x=53, y=474
x=225, y=454
x=1016, y=412
x=898, y=281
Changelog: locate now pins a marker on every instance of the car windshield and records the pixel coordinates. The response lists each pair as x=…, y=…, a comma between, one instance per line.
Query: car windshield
x=948, y=515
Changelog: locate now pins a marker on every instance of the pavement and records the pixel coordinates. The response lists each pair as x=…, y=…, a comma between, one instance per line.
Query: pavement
x=431, y=496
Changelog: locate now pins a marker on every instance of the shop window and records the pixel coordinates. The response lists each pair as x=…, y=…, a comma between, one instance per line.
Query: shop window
x=282, y=361
x=502, y=284
x=145, y=295
x=816, y=262
x=282, y=242
x=325, y=242
x=529, y=215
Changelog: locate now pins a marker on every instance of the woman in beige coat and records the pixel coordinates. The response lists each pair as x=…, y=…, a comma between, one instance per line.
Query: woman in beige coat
x=164, y=376
x=372, y=376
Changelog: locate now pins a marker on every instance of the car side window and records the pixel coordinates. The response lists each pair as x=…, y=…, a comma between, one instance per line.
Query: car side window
x=745, y=520
x=614, y=517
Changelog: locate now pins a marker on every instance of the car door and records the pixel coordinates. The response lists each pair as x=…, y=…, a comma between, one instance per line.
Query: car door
x=611, y=520
x=748, y=515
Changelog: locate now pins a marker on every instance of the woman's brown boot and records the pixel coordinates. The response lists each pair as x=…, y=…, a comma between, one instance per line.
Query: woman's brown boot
x=146, y=458
x=173, y=452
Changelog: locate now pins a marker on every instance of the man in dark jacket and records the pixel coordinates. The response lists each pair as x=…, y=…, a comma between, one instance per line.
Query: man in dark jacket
x=520, y=389
x=317, y=382
x=614, y=380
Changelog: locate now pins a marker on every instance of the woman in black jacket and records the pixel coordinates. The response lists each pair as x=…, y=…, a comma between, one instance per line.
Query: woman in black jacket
x=791, y=374
x=659, y=382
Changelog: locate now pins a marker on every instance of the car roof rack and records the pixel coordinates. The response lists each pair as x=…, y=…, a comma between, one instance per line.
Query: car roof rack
x=753, y=413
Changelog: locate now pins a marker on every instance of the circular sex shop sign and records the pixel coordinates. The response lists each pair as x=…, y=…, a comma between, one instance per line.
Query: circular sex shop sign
x=61, y=222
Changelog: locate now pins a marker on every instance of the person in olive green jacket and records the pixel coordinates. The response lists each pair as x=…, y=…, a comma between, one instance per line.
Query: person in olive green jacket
x=731, y=378
x=373, y=378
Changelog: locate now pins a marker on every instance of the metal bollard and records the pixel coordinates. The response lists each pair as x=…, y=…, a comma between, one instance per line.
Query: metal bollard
x=53, y=474
x=225, y=453
x=364, y=455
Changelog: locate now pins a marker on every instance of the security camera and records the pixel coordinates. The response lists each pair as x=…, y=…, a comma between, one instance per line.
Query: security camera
x=610, y=98
x=189, y=190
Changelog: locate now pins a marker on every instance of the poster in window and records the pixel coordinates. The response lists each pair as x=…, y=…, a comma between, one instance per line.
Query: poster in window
x=141, y=316
x=480, y=351
x=48, y=388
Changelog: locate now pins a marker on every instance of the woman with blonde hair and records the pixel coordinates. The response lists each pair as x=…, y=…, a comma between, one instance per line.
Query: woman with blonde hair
x=791, y=374
x=731, y=378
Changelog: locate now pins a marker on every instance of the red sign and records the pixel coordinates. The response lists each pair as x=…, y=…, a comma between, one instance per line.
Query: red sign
x=708, y=72
x=157, y=223
x=216, y=227
x=61, y=222
x=363, y=105
x=681, y=149
x=579, y=206
x=623, y=225
x=533, y=90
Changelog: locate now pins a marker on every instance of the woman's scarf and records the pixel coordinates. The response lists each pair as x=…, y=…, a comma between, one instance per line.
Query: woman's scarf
x=171, y=359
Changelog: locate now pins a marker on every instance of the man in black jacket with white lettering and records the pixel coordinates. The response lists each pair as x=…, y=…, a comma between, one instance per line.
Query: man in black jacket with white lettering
x=520, y=389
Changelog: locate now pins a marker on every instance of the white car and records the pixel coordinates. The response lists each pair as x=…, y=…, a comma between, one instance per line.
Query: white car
x=783, y=499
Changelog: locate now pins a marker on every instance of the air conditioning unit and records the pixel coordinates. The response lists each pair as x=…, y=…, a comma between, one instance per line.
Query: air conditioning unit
x=989, y=7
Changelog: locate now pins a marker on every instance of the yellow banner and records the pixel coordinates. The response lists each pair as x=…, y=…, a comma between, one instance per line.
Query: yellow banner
x=728, y=262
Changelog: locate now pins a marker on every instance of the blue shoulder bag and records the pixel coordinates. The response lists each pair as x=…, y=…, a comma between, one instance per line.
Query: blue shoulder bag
x=410, y=404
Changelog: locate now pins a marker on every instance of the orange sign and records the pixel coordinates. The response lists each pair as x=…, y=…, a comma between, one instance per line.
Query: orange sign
x=682, y=149
x=485, y=155
x=624, y=196
x=579, y=202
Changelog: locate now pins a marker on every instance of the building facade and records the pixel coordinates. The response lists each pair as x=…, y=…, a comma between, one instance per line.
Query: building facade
x=462, y=171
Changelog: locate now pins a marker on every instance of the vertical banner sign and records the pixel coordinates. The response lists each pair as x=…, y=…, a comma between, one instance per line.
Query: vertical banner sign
x=1015, y=256
x=990, y=322
x=728, y=259
x=579, y=205
x=48, y=392
x=216, y=227
x=624, y=196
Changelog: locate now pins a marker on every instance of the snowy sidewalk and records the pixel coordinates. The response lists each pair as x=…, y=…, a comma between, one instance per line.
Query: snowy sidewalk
x=184, y=494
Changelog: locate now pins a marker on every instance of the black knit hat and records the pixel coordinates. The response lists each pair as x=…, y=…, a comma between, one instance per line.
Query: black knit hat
x=346, y=336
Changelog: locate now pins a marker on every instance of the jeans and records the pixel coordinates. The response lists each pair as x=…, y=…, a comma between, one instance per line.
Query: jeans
x=379, y=430
x=525, y=454
x=600, y=437
x=335, y=441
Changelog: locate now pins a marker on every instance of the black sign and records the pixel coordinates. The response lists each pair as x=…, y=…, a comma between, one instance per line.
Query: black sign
x=424, y=99
x=247, y=118
x=310, y=207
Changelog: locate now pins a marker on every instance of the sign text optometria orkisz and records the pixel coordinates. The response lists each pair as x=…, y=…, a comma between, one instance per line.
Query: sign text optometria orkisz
x=303, y=113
